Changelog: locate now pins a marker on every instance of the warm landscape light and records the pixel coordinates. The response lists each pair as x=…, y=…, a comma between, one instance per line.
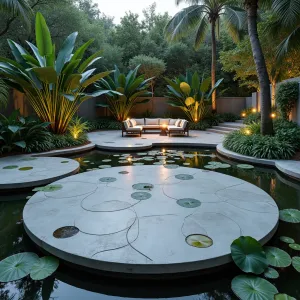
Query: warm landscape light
x=254, y=110
x=128, y=119
x=247, y=131
x=196, y=120
x=163, y=150
x=273, y=115
x=164, y=126
x=129, y=159
x=243, y=115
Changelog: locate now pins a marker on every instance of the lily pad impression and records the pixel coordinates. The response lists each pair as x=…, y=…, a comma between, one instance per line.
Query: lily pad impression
x=248, y=287
x=199, y=240
x=108, y=179
x=184, y=177
x=10, y=167
x=48, y=188
x=188, y=202
x=140, y=195
x=17, y=266
x=143, y=186
x=271, y=273
x=287, y=240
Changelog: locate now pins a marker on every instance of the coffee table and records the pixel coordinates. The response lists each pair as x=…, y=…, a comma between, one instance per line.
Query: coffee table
x=163, y=131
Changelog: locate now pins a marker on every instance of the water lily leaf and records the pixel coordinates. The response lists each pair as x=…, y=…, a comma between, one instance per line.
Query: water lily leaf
x=140, y=195
x=44, y=267
x=106, y=160
x=245, y=166
x=296, y=263
x=294, y=246
x=277, y=257
x=48, y=188
x=25, y=168
x=248, y=255
x=248, y=287
x=287, y=240
x=184, y=177
x=211, y=167
x=199, y=241
x=105, y=166
x=188, y=202
x=17, y=266
x=186, y=164
x=290, y=215
x=10, y=167
x=224, y=166
x=108, y=179
x=283, y=297
x=271, y=273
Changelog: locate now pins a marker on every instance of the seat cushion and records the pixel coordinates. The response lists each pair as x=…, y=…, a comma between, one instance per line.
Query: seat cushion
x=139, y=121
x=127, y=124
x=164, y=121
x=173, y=127
x=177, y=123
x=151, y=126
x=135, y=128
x=133, y=122
x=151, y=121
x=172, y=121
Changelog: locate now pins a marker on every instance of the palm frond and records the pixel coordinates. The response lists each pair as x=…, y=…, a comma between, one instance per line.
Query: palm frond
x=292, y=41
x=201, y=32
x=288, y=11
x=4, y=93
x=184, y=21
x=17, y=8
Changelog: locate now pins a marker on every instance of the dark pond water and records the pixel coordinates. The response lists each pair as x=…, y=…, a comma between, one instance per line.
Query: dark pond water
x=71, y=283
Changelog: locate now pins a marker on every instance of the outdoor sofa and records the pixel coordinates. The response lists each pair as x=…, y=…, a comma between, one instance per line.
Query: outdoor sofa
x=171, y=126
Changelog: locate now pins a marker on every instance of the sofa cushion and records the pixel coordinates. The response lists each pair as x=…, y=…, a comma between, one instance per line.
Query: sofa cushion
x=172, y=121
x=183, y=124
x=139, y=121
x=151, y=126
x=164, y=121
x=132, y=122
x=177, y=123
x=136, y=128
x=151, y=121
x=174, y=128
x=127, y=124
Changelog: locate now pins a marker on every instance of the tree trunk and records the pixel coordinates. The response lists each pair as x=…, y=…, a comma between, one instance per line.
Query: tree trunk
x=274, y=84
x=262, y=73
x=213, y=63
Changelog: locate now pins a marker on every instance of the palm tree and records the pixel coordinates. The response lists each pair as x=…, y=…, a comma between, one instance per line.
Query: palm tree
x=16, y=8
x=201, y=16
x=251, y=7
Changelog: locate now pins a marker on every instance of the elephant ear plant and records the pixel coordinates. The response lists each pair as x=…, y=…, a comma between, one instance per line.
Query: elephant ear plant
x=191, y=94
x=54, y=85
x=124, y=91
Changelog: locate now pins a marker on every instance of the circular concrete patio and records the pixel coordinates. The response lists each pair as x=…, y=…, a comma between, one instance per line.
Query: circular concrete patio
x=148, y=220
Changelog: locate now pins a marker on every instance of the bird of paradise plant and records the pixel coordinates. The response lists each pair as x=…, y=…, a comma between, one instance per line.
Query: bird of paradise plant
x=54, y=85
x=191, y=94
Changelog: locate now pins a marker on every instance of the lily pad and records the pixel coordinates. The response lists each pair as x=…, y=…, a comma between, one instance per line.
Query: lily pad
x=188, y=202
x=159, y=163
x=48, y=188
x=170, y=161
x=199, y=241
x=64, y=162
x=171, y=166
x=248, y=287
x=287, y=240
x=294, y=246
x=123, y=161
x=248, y=255
x=211, y=167
x=106, y=160
x=138, y=164
x=290, y=215
x=140, y=195
x=17, y=266
x=184, y=177
x=143, y=186
x=271, y=273
x=142, y=153
x=296, y=263
x=123, y=172
x=116, y=155
x=108, y=179
x=283, y=297
x=10, y=167
x=224, y=166
x=186, y=164
x=25, y=168
x=44, y=267
x=86, y=161
x=277, y=257
x=104, y=166
x=245, y=166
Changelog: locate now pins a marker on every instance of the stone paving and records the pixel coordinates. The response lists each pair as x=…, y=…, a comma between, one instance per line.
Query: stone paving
x=148, y=219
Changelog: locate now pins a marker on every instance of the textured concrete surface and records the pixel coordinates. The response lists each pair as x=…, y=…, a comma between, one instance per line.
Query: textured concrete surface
x=288, y=167
x=24, y=171
x=113, y=140
x=149, y=219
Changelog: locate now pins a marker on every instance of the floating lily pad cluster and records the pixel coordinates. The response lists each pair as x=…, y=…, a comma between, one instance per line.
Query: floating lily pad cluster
x=20, y=265
x=213, y=165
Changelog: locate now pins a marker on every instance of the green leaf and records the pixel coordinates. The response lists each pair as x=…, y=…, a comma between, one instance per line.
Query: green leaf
x=102, y=105
x=17, y=266
x=69, y=97
x=44, y=267
x=143, y=101
x=21, y=144
x=248, y=287
x=195, y=82
x=80, y=51
x=205, y=84
x=283, y=297
x=248, y=255
x=271, y=273
x=290, y=215
x=277, y=257
x=73, y=81
x=287, y=240
x=14, y=128
x=43, y=37
x=89, y=61
x=46, y=74
x=95, y=78
x=294, y=246
x=296, y=263
x=48, y=188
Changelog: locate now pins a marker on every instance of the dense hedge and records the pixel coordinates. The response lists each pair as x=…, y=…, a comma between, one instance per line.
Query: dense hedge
x=283, y=145
x=253, y=117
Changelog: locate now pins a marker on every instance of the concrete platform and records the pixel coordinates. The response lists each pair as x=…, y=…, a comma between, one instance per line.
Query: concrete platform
x=25, y=171
x=148, y=220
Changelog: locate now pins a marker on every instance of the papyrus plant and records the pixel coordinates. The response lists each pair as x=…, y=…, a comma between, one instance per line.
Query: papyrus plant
x=53, y=84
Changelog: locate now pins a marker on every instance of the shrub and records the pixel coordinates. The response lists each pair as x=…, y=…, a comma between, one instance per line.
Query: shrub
x=77, y=127
x=286, y=97
x=67, y=140
x=201, y=125
x=229, y=117
x=253, y=117
x=104, y=123
x=253, y=128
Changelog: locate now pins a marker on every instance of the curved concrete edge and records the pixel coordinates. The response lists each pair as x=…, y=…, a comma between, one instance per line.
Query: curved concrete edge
x=125, y=148
x=289, y=167
x=67, y=151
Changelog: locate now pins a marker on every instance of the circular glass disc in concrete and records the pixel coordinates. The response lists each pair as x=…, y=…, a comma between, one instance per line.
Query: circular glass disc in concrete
x=185, y=222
